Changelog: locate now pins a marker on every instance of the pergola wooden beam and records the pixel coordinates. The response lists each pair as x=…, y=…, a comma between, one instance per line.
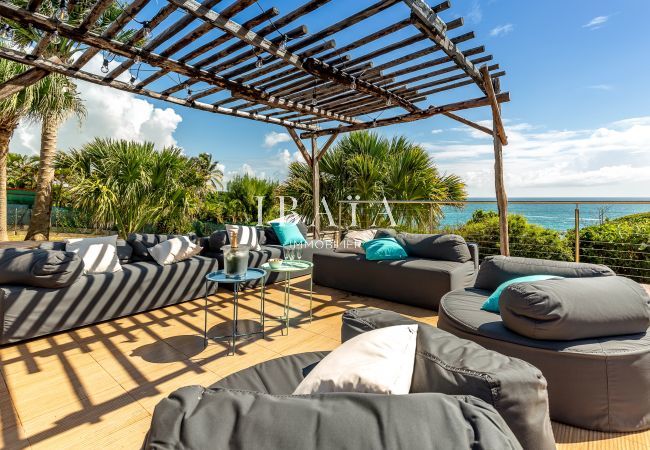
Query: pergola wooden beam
x=428, y=22
x=21, y=81
x=300, y=145
x=494, y=104
x=423, y=114
x=327, y=145
x=51, y=66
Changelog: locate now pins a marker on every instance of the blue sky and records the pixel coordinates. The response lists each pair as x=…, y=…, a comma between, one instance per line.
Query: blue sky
x=579, y=119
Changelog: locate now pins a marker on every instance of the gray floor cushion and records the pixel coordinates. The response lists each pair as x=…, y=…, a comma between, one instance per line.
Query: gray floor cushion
x=446, y=364
x=599, y=384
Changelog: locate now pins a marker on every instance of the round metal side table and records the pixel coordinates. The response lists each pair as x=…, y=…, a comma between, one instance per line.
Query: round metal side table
x=287, y=268
x=220, y=277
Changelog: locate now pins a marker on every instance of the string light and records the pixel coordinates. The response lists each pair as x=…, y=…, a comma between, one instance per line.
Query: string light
x=132, y=80
x=353, y=85
x=61, y=14
x=104, y=68
x=283, y=44
x=6, y=32
x=389, y=102
x=189, y=93
x=137, y=59
x=146, y=29
x=56, y=39
x=259, y=63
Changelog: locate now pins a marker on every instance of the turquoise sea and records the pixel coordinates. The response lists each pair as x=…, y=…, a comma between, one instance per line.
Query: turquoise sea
x=559, y=217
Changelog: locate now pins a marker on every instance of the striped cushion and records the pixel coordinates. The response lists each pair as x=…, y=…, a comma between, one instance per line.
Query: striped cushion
x=246, y=235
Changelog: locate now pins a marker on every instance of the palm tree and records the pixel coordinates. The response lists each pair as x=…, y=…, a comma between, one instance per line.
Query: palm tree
x=56, y=100
x=65, y=102
x=22, y=171
x=209, y=169
x=131, y=185
x=12, y=109
x=369, y=166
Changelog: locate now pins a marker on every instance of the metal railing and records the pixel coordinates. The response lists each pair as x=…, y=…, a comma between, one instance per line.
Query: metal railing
x=580, y=230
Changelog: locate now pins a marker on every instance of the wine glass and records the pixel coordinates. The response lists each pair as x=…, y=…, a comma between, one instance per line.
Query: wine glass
x=288, y=253
x=298, y=252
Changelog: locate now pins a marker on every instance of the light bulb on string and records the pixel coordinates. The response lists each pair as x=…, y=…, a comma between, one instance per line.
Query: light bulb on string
x=104, y=68
x=283, y=44
x=55, y=39
x=146, y=30
x=353, y=85
x=61, y=13
x=137, y=60
x=259, y=63
x=389, y=102
x=132, y=80
x=4, y=32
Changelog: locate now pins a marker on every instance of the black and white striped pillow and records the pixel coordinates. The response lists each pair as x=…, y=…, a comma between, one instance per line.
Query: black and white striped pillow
x=246, y=235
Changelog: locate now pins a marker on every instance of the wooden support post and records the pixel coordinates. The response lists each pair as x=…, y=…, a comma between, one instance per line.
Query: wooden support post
x=502, y=198
x=327, y=145
x=299, y=144
x=315, y=185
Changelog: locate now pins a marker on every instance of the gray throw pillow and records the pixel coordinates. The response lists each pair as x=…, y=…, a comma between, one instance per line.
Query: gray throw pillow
x=443, y=247
x=39, y=267
x=217, y=240
x=141, y=243
x=385, y=232
x=495, y=270
x=576, y=308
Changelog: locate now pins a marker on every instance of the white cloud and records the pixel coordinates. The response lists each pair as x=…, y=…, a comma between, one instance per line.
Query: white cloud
x=274, y=138
x=613, y=160
x=437, y=131
x=110, y=114
x=502, y=30
x=475, y=14
x=596, y=22
x=601, y=87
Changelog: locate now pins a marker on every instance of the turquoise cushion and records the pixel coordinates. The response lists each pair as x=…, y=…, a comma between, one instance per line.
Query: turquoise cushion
x=288, y=233
x=492, y=303
x=383, y=248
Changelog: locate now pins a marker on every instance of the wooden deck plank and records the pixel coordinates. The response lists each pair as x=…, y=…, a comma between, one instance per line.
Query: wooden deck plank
x=96, y=387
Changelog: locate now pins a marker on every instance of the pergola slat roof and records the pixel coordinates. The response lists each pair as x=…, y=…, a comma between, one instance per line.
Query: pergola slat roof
x=270, y=67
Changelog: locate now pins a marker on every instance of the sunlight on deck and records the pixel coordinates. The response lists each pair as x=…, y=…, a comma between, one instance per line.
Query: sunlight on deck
x=97, y=386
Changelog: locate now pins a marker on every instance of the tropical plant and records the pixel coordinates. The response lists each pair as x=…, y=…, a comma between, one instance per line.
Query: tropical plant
x=623, y=244
x=526, y=239
x=12, y=109
x=209, y=170
x=132, y=186
x=22, y=171
x=372, y=167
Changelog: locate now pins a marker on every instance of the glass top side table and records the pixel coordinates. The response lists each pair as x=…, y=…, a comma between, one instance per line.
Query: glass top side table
x=220, y=277
x=287, y=268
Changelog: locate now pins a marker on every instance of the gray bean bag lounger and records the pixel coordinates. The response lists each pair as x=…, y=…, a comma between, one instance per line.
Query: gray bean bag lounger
x=598, y=383
x=254, y=409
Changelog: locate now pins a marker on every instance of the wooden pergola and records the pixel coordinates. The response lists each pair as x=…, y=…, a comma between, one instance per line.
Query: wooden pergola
x=271, y=69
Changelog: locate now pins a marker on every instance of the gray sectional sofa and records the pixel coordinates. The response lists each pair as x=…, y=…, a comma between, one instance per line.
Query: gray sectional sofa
x=49, y=294
x=462, y=396
x=436, y=265
x=600, y=382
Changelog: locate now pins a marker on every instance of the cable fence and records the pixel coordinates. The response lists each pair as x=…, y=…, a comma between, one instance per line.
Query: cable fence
x=613, y=233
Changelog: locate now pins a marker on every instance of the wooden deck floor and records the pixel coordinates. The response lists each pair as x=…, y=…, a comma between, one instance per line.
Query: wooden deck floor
x=96, y=387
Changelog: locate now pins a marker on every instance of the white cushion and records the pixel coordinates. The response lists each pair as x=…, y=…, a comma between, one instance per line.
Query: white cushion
x=353, y=240
x=378, y=361
x=246, y=235
x=174, y=250
x=99, y=254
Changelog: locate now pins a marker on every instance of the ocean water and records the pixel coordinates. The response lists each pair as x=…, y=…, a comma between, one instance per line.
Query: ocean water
x=560, y=217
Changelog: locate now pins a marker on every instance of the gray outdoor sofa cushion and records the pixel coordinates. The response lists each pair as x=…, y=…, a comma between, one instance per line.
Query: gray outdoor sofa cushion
x=496, y=270
x=443, y=247
x=39, y=268
x=412, y=281
x=596, y=383
x=200, y=418
x=27, y=312
x=449, y=365
x=124, y=249
x=576, y=308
